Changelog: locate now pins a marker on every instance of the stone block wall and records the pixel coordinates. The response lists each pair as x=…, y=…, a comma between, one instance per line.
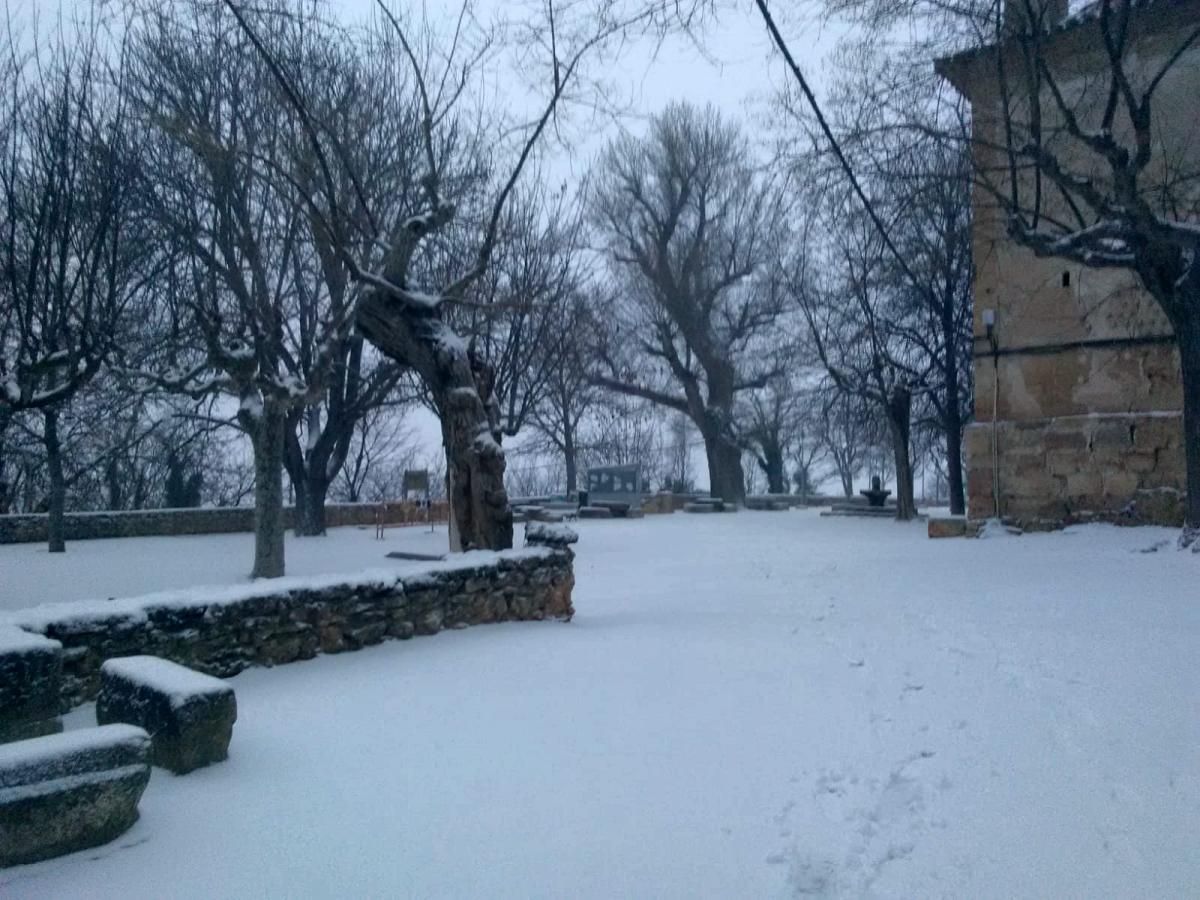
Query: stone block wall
x=222, y=631
x=31, y=528
x=1126, y=469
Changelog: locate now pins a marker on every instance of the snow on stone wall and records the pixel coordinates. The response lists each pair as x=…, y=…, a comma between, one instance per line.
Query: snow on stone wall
x=31, y=527
x=221, y=631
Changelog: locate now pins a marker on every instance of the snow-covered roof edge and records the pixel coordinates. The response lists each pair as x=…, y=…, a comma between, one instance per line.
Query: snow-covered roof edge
x=1151, y=15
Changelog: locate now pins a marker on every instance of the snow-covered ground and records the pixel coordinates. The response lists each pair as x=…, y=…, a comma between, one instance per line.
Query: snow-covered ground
x=30, y=576
x=756, y=705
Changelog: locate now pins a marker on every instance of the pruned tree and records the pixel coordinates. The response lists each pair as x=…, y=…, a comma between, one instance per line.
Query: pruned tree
x=690, y=224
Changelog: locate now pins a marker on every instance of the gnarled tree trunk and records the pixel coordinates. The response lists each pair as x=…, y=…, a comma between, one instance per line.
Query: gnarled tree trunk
x=771, y=462
x=481, y=518
x=310, y=505
x=725, y=476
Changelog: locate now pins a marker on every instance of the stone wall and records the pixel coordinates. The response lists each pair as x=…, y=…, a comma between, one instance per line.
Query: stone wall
x=221, y=631
x=31, y=528
x=1126, y=469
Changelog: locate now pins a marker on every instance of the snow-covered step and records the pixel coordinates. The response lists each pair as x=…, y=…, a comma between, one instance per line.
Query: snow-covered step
x=30, y=684
x=66, y=792
x=189, y=714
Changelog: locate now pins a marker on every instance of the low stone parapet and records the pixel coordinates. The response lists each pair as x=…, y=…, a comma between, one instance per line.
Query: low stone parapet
x=68, y=792
x=189, y=715
x=222, y=630
x=82, y=526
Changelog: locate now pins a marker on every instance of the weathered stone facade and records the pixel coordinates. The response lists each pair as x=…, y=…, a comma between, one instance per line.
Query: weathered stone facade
x=1118, y=468
x=31, y=528
x=1078, y=393
x=223, y=631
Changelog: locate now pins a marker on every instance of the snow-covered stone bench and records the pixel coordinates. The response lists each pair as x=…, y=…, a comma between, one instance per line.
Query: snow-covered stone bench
x=66, y=792
x=548, y=534
x=30, y=685
x=188, y=715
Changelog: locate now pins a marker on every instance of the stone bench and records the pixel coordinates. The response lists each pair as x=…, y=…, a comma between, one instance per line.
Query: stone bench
x=30, y=685
x=595, y=512
x=189, y=715
x=546, y=534
x=66, y=792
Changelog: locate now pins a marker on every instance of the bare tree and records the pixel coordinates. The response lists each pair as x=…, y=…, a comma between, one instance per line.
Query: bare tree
x=71, y=261
x=773, y=423
x=809, y=447
x=522, y=309
x=690, y=223
x=382, y=449
x=569, y=397
x=843, y=426
x=850, y=308
x=260, y=299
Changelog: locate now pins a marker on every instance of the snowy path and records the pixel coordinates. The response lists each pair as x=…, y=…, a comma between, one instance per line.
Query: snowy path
x=759, y=705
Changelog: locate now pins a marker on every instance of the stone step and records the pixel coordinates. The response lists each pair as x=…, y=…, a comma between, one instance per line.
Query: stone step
x=67, y=792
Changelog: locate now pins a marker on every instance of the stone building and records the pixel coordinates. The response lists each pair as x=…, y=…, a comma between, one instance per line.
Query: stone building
x=1078, y=409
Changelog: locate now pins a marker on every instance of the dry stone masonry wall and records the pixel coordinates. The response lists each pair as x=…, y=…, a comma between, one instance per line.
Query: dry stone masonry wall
x=31, y=528
x=221, y=631
x=1126, y=469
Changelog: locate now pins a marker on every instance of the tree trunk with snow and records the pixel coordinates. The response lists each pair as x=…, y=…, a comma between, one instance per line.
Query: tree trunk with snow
x=480, y=514
x=56, y=522
x=267, y=438
x=770, y=460
x=726, y=479
x=899, y=416
x=570, y=460
x=311, y=492
x=952, y=423
x=954, y=459
x=1187, y=335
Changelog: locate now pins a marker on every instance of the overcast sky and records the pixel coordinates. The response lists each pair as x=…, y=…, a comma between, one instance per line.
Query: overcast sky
x=733, y=69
